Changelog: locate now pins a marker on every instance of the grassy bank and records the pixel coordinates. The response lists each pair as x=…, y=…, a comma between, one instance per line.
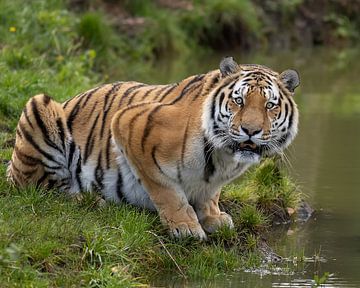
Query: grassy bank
x=47, y=239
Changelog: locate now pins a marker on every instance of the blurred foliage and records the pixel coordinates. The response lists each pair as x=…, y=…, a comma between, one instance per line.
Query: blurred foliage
x=222, y=24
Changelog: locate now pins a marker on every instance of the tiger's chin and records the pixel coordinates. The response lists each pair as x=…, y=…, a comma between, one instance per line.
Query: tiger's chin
x=245, y=156
x=246, y=152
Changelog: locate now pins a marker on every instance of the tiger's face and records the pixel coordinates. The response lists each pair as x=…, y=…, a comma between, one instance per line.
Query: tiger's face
x=254, y=113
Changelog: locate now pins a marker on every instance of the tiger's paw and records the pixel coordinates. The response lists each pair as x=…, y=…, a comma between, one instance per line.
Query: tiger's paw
x=214, y=222
x=183, y=229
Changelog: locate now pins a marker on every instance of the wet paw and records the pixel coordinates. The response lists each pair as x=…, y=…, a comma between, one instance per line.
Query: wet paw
x=213, y=223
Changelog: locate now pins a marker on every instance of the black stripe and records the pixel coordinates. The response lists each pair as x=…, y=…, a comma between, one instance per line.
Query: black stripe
x=51, y=184
x=71, y=153
x=214, y=81
x=77, y=97
x=123, y=111
x=199, y=93
x=90, y=140
x=66, y=103
x=132, y=122
x=149, y=126
x=32, y=161
x=119, y=183
x=187, y=88
x=78, y=171
x=42, y=179
x=232, y=85
x=27, y=174
x=88, y=95
x=183, y=146
x=221, y=101
x=213, y=105
x=209, y=168
x=132, y=97
x=27, y=117
x=291, y=113
x=42, y=127
x=214, y=99
x=113, y=91
x=29, y=138
x=158, y=93
x=18, y=133
x=107, y=95
x=26, y=159
x=283, y=139
x=72, y=116
x=76, y=107
x=268, y=82
x=46, y=99
x=179, y=177
x=99, y=173
x=60, y=126
x=153, y=156
x=167, y=92
x=62, y=183
x=128, y=91
x=148, y=92
x=92, y=110
x=286, y=114
x=107, y=151
x=222, y=96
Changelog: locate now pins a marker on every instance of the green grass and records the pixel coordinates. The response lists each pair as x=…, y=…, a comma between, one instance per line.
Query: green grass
x=47, y=239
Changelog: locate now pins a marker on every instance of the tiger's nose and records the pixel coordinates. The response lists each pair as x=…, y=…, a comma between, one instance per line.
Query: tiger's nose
x=250, y=131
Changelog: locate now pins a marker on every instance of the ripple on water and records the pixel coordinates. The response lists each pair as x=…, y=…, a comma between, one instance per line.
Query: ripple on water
x=332, y=281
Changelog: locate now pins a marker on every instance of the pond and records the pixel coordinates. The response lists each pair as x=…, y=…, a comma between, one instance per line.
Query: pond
x=324, y=160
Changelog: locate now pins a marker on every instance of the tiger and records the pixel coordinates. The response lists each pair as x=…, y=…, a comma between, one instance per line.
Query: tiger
x=167, y=148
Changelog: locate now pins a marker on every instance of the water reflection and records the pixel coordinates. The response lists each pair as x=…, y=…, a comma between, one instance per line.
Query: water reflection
x=325, y=160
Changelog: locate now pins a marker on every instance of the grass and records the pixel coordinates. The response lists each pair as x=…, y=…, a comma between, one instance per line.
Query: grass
x=47, y=239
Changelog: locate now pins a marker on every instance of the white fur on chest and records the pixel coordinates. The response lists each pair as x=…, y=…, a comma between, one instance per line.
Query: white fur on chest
x=198, y=188
x=187, y=178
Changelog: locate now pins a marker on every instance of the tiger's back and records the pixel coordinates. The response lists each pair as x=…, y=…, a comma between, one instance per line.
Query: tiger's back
x=88, y=159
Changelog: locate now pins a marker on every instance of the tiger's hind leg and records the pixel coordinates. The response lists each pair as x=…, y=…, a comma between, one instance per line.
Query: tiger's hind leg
x=41, y=146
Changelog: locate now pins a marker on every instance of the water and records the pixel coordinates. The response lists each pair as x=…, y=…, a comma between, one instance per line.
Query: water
x=325, y=160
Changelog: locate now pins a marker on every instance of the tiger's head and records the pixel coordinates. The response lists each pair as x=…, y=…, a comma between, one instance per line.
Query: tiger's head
x=251, y=112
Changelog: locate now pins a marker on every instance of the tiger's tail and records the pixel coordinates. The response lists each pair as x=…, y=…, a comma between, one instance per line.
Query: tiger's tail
x=42, y=147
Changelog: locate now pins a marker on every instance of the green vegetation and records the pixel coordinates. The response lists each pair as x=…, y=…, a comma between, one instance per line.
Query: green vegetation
x=321, y=280
x=47, y=239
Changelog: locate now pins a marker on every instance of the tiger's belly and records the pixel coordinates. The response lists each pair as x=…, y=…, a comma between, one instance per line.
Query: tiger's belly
x=196, y=180
x=116, y=184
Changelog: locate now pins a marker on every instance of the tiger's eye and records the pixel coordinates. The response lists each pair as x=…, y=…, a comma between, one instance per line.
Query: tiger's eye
x=239, y=101
x=270, y=105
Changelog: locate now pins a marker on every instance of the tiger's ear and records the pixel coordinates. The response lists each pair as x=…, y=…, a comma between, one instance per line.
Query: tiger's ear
x=290, y=78
x=228, y=66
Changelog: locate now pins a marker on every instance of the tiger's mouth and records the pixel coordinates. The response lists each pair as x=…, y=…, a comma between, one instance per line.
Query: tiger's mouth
x=246, y=146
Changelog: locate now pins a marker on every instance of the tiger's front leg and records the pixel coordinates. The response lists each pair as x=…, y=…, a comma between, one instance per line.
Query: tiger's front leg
x=210, y=216
x=174, y=210
x=151, y=158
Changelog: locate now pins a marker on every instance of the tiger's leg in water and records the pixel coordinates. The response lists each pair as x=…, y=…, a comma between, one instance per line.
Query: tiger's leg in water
x=174, y=210
x=210, y=216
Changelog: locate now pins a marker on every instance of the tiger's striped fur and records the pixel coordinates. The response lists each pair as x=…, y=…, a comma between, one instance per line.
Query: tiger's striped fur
x=168, y=148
